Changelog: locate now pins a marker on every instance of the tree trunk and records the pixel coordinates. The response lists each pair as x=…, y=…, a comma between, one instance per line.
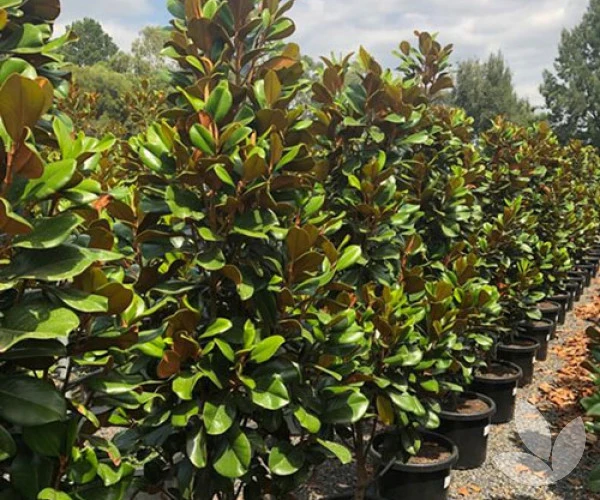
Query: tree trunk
x=362, y=476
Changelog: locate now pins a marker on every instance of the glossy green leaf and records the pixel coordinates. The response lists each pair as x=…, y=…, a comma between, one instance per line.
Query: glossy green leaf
x=35, y=320
x=48, y=440
x=350, y=256
x=219, y=102
x=270, y=393
x=184, y=204
x=219, y=326
x=82, y=302
x=23, y=101
x=7, y=444
x=218, y=418
x=196, y=449
x=342, y=453
x=55, y=264
x=30, y=474
x=346, y=407
x=52, y=494
x=233, y=455
x=183, y=412
x=49, y=232
x=307, y=420
x=212, y=260
x=266, y=349
x=55, y=177
x=28, y=402
x=285, y=459
x=184, y=385
x=203, y=139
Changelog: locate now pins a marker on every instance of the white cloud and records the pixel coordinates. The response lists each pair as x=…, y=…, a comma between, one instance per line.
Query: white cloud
x=527, y=31
x=122, y=19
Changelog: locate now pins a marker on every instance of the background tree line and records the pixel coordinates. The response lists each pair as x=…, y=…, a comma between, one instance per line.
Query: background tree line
x=109, y=81
x=120, y=82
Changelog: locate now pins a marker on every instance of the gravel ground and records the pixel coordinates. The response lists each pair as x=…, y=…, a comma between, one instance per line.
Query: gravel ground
x=487, y=482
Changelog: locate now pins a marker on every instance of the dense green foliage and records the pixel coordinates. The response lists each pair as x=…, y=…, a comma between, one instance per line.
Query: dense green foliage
x=261, y=268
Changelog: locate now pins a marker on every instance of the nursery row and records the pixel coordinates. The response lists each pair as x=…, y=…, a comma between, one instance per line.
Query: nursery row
x=277, y=272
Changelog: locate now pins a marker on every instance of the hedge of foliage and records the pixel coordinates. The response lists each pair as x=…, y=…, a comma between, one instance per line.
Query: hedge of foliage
x=269, y=270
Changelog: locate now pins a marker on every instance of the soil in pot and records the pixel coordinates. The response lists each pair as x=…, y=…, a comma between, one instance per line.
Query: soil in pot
x=425, y=476
x=541, y=331
x=562, y=299
x=499, y=381
x=550, y=311
x=520, y=351
x=468, y=424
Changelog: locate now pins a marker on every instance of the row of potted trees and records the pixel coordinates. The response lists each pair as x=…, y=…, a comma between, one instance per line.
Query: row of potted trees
x=280, y=272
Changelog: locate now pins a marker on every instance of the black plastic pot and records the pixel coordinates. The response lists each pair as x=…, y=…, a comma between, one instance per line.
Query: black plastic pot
x=413, y=481
x=469, y=431
x=579, y=286
x=550, y=311
x=580, y=280
x=541, y=331
x=579, y=275
x=592, y=259
x=499, y=382
x=571, y=288
x=562, y=299
x=521, y=352
x=589, y=270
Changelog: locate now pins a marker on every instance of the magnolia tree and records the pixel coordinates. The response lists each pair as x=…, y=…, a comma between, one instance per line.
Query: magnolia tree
x=508, y=237
x=387, y=165
x=234, y=388
x=61, y=302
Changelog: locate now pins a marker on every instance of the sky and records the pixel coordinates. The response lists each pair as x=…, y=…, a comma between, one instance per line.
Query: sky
x=526, y=31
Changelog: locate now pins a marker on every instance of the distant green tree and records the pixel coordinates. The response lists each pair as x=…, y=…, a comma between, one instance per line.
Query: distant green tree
x=145, y=62
x=121, y=62
x=94, y=45
x=572, y=91
x=109, y=85
x=146, y=50
x=485, y=90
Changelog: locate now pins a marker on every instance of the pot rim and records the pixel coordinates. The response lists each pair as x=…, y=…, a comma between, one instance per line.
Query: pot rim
x=558, y=298
x=502, y=381
x=530, y=327
x=555, y=305
x=455, y=416
x=447, y=463
x=535, y=345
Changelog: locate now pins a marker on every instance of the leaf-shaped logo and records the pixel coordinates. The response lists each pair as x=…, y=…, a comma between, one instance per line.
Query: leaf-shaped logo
x=534, y=431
